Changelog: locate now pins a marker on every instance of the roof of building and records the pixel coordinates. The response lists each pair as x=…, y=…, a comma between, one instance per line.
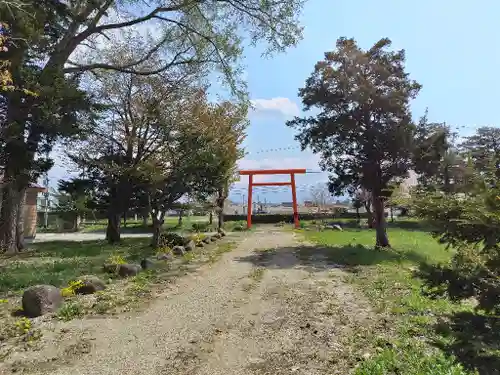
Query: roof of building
x=32, y=185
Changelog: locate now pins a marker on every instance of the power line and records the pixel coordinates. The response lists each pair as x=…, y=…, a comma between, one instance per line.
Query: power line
x=269, y=150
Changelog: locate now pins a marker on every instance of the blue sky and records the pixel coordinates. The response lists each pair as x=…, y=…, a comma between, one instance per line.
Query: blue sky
x=452, y=49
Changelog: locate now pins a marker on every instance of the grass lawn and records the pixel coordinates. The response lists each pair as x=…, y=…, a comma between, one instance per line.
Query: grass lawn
x=426, y=336
x=56, y=263
x=135, y=226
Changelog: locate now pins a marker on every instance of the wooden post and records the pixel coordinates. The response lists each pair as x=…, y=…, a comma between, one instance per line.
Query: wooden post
x=294, y=200
x=249, y=203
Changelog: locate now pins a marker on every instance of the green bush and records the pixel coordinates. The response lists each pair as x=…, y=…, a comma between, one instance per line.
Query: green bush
x=170, y=239
x=471, y=226
x=201, y=226
x=70, y=310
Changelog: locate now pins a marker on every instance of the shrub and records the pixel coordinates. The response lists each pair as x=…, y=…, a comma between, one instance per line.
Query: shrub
x=170, y=240
x=163, y=250
x=471, y=225
x=201, y=227
x=72, y=287
x=198, y=238
x=70, y=310
x=116, y=259
x=239, y=228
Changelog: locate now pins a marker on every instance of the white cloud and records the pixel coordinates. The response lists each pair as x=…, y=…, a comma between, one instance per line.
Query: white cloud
x=279, y=105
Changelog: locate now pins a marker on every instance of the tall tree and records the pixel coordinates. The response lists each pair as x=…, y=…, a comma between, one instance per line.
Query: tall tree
x=143, y=117
x=320, y=195
x=364, y=129
x=225, y=125
x=483, y=148
x=432, y=142
x=73, y=198
x=58, y=38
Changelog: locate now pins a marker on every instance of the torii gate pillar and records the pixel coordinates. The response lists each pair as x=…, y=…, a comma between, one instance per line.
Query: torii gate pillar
x=251, y=184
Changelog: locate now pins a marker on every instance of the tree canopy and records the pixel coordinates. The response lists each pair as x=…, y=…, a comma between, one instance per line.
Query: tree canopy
x=48, y=47
x=364, y=130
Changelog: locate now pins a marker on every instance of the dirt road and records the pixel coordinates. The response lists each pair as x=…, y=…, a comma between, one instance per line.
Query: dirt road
x=268, y=307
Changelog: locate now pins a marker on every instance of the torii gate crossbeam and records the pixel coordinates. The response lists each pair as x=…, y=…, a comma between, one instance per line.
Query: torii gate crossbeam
x=251, y=184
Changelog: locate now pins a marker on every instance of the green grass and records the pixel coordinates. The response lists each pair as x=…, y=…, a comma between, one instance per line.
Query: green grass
x=57, y=263
x=387, y=278
x=135, y=226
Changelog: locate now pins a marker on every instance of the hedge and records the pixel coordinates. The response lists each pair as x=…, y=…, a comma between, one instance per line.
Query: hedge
x=288, y=217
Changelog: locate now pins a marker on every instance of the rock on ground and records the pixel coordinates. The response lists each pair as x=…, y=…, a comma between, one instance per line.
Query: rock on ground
x=91, y=284
x=164, y=256
x=41, y=299
x=127, y=270
x=147, y=264
x=178, y=250
x=190, y=246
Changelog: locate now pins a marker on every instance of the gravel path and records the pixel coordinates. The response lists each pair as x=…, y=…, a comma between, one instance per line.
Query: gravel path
x=253, y=312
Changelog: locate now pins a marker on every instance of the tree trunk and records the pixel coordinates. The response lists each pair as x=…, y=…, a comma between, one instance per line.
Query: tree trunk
x=157, y=227
x=179, y=222
x=220, y=222
x=369, y=214
x=392, y=214
x=20, y=221
x=220, y=207
x=113, y=228
x=77, y=222
x=146, y=211
x=8, y=219
x=380, y=224
x=124, y=219
x=211, y=218
x=446, y=178
x=358, y=216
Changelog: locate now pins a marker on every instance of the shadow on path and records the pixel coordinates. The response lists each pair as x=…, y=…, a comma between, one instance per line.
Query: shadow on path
x=325, y=257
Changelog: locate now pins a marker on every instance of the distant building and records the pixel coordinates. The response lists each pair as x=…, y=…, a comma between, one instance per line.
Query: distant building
x=410, y=182
x=30, y=208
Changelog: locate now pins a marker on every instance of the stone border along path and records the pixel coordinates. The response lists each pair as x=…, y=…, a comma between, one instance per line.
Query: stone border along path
x=252, y=312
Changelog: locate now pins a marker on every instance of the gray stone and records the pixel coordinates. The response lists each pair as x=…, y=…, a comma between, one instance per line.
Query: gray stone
x=147, y=264
x=91, y=284
x=41, y=299
x=126, y=270
x=164, y=256
x=178, y=250
x=222, y=233
x=335, y=226
x=217, y=235
x=190, y=246
x=110, y=268
x=213, y=239
x=206, y=240
x=200, y=244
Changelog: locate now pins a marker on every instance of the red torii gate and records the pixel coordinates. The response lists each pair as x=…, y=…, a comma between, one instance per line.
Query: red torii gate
x=251, y=184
